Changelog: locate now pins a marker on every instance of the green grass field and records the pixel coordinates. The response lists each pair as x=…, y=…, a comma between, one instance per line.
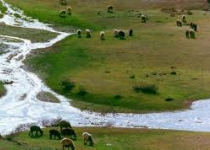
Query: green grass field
x=34, y=35
x=2, y=89
x=115, y=139
x=106, y=71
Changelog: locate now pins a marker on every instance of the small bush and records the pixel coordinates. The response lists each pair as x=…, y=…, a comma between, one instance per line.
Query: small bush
x=132, y=77
x=82, y=92
x=148, y=89
x=173, y=73
x=67, y=86
x=117, y=97
x=169, y=99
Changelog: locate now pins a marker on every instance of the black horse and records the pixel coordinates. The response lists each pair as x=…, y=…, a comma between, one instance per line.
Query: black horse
x=54, y=134
x=38, y=131
x=69, y=132
x=121, y=34
x=131, y=32
x=64, y=124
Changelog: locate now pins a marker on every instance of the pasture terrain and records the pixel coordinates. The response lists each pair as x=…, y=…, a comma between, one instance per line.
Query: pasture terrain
x=2, y=89
x=35, y=35
x=31, y=34
x=114, y=139
x=103, y=75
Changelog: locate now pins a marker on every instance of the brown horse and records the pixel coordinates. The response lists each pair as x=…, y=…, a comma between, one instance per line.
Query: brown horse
x=87, y=137
x=66, y=142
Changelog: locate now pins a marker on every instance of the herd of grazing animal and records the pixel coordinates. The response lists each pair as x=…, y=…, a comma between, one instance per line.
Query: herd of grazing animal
x=67, y=135
x=117, y=33
x=110, y=9
x=64, y=13
x=189, y=33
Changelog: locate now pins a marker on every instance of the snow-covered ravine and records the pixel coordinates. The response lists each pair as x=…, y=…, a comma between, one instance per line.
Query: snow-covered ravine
x=20, y=105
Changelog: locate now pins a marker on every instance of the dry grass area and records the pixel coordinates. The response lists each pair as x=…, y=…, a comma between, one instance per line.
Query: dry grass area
x=179, y=4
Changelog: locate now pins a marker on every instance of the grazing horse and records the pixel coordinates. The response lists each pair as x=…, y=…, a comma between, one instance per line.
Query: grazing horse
x=55, y=134
x=64, y=124
x=110, y=9
x=38, y=131
x=131, y=32
x=63, y=2
x=121, y=34
x=194, y=26
x=62, y=13
x=87, y=137
x=69, y=132
x=66, y=142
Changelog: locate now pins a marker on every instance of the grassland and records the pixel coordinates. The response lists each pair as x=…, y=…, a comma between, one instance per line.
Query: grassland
x=34, y=35
x=2, y=89
x=108, y=70
x=115, y=139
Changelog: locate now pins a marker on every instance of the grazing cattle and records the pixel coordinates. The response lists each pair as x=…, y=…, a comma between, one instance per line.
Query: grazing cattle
x=143, y=18
x=69, y=132
x=35, y=129
x=88, y=33
x=131, y=32
x=184, y=19
x=54, y=134
x=116, y=33
x=69, y=10
x=194, y=26
x=187, y=33
x=63, y=2
x=87, y=137
x=64, y=124
x=192, y=34
x=121, y=34
x=179, y=23
x=67, y=143
x=79, y=33
x=102, y=35
x=110, y=9
x=62, y=13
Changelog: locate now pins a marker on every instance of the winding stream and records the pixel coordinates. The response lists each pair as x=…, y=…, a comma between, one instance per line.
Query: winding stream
x=20, y=105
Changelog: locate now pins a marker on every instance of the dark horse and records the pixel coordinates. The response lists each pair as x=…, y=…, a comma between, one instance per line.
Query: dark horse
x=64, y=124
x=38, y=131
x=55, y=134
x=69, y=132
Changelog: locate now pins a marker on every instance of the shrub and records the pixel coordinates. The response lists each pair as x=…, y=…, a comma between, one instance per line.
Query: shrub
x=173, y=73
x=117, y=97
x=132, y=77
x=67, y=86
x=82, y=92
x=148, y=89
x=169, y=99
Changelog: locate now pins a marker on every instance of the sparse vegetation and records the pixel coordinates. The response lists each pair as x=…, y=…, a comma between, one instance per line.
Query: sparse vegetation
x=82, y=91
x=67, y=86
x=147, y=89
x=2, y=89
x=169, y=99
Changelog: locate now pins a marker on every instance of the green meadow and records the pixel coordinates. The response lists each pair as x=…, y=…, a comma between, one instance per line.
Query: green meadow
x=118, y=75
x=114, y=139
